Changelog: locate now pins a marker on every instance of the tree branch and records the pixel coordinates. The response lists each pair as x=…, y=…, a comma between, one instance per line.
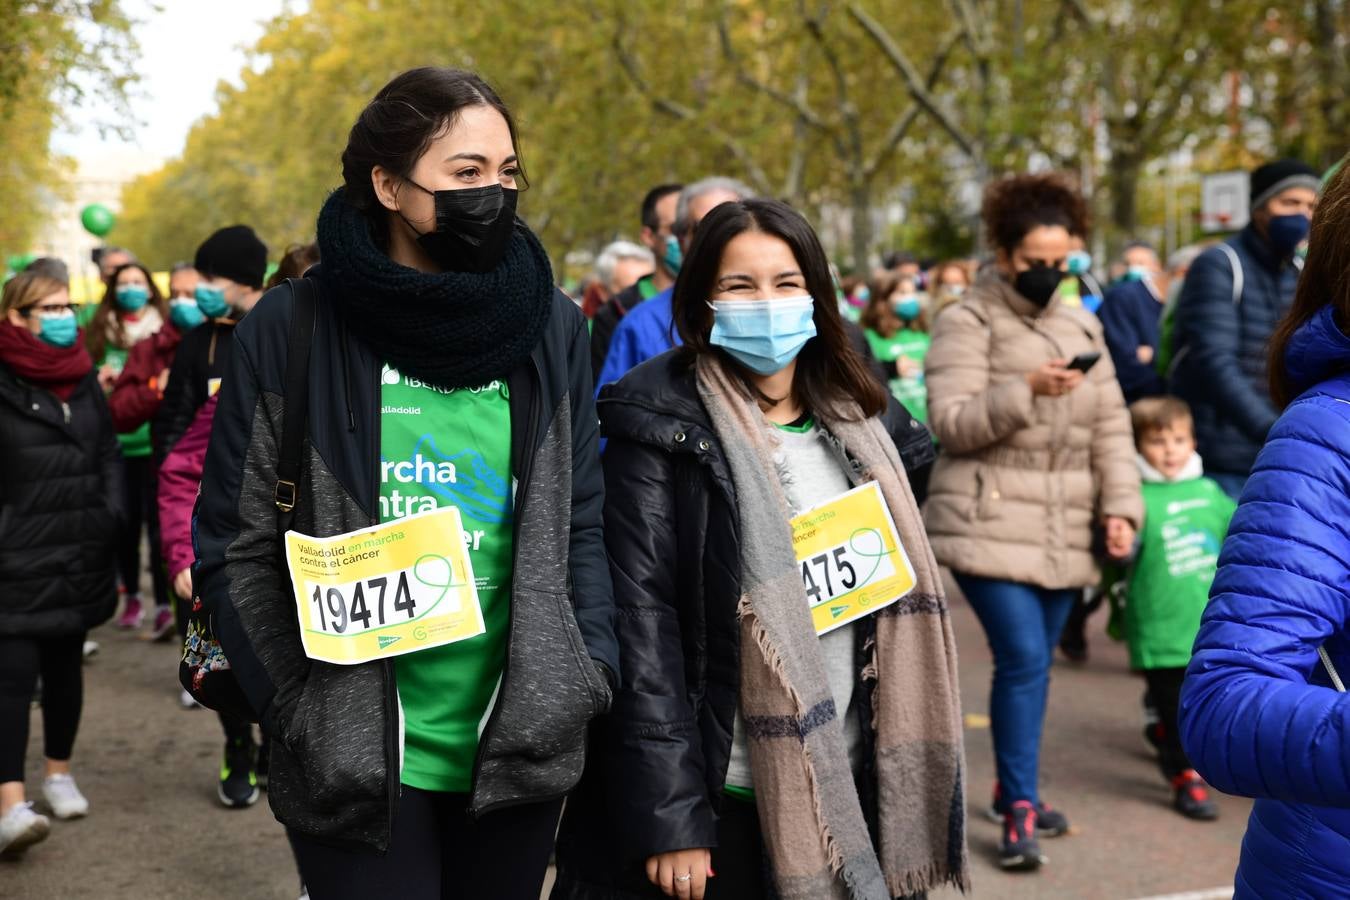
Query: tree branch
x=917, y=89
x=753, y=170
x=900, y=127
x=795, y=102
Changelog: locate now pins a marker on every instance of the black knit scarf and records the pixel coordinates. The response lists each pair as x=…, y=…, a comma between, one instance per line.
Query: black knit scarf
x=454, y=329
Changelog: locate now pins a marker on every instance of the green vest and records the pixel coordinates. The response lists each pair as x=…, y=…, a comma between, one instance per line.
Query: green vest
x=911, y=391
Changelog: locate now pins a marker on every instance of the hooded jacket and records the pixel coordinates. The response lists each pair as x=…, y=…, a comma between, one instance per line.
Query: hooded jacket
x=1259, y=716
x=1023, y=480
x=335, y=756
x=1219, y=367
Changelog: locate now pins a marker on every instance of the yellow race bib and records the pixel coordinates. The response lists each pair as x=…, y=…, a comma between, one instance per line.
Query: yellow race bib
x=384, y=591
x=851, y=558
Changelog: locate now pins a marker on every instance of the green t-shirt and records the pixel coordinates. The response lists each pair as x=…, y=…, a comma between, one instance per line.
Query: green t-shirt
x=1184, y=526
x=136, y=442
x=439, y=448
x=913, y=390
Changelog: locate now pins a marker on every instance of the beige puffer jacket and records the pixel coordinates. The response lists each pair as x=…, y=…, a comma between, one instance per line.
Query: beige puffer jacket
x=1022, y=481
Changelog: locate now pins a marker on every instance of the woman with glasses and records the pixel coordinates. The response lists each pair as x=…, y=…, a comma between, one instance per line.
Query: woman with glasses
x=60, y=509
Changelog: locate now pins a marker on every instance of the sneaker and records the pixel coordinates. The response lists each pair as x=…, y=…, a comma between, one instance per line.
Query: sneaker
x=90, y=649
x=162, y=629
x=238, y=782
x=186, y=700
x=1191, y=799
x=64, y=797
x=1020, y=850
x=1050, y=822
x=132, y=613
x=21, y=828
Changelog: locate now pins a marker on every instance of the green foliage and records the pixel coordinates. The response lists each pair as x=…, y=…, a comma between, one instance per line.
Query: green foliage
x=828, y=105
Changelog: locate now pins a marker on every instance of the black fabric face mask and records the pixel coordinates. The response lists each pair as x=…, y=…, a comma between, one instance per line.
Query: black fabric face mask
x=473, y=227
x=1038, y=284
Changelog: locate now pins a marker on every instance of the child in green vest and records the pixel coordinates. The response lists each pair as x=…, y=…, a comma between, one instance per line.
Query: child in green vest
x=1167, y=586
x=896, y=325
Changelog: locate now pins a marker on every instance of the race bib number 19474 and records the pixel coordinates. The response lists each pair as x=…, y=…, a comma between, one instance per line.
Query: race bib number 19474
x=384, y=591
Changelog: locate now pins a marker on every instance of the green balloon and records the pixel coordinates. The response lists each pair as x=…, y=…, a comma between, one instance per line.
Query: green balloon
x=97, y=219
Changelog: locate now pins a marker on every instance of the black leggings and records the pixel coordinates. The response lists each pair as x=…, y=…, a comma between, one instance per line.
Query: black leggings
x=439, y=853
x=1164, y=687
x=142, y=511
x=22, y=660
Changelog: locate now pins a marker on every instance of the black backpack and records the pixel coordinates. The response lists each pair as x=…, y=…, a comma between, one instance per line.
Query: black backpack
x=204, y=671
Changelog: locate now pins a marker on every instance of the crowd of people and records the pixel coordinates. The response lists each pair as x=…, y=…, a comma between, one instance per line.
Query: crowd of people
x=650, y=689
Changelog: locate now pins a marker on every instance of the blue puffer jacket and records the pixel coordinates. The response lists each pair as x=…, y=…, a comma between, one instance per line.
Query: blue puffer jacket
x=1220, y=361
x=1258, y=715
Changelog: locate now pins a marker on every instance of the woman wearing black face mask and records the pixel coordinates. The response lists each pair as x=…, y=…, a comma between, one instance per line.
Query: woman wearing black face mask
x=451, y=452
x=1037, y=456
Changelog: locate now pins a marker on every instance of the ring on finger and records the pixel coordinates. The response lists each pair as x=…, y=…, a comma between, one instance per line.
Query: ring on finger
x=685, y=877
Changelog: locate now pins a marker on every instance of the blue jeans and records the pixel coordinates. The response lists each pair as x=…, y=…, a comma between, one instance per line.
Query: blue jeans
x=1022, y=624
x=1232, y=484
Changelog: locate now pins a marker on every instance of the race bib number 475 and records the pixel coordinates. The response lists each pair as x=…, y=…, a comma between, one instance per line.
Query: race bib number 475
x=384, y=591
x=851, y=559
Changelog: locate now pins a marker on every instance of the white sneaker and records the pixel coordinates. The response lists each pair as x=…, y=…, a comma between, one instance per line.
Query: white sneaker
x=64, y=797
x=21, y=828
x=90, y=648
x=185, y=700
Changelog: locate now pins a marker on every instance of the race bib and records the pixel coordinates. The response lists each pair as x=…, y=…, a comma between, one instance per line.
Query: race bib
x=851, y=558
x=384, y=591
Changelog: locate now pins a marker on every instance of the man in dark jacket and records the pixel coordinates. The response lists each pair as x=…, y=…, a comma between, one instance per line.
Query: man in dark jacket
x=658, y=220
x=232, y=264
x=1235, y=295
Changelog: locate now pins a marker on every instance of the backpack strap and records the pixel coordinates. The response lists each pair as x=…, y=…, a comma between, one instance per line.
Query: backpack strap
x=1236, y=263
x=295, y=398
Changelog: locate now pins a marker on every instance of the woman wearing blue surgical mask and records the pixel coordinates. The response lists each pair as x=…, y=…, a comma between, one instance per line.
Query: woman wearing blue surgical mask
x=751, y=740
x=896, y=325
x=132, y=311
x=60, y=507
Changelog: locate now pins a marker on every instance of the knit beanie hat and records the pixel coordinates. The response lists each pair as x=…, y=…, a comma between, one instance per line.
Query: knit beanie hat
x=1277, y=177
x=234, y=253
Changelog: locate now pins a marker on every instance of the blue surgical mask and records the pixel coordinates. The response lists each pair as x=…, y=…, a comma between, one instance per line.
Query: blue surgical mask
x=59, y=329
x=1138, y=273
x=211, y=300
x=185, y=314
x=763, y=335
x=1287, y=232
x=674, y=256
x=908, y=308
x=132, y=297
x=1080, y=262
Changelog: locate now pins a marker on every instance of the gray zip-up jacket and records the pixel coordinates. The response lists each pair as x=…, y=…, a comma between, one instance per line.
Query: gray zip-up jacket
x=335, y=756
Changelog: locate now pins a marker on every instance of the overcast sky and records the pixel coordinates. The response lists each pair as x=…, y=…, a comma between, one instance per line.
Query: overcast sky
x=187, y=48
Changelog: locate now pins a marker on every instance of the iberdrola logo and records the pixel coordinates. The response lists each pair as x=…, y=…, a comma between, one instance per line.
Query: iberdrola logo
x=389, y=375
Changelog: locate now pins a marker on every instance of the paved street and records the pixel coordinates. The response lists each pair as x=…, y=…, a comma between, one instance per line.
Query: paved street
x=156, y=831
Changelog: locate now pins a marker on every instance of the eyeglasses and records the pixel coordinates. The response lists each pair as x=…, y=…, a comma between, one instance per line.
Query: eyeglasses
x=47, y=309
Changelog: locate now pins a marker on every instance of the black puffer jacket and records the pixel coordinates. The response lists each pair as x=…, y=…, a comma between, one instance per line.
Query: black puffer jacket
x=672, y=534
x=60, y=508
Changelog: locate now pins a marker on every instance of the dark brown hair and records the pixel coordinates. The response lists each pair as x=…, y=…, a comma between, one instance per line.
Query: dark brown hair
x=1157, y=413
x=105, y=318
x=880, y=313
x=294, y=263
x=1019, y=204
x=829, y=369
x=402, y=121
x=1325, y=280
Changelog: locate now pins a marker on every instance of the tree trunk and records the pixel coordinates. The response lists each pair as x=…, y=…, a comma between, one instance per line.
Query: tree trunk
x=1332, y=69
x=860, y=206
x=1122, y=178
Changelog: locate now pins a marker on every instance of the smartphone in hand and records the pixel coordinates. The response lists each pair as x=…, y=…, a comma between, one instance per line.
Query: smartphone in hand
x=1084, y=361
